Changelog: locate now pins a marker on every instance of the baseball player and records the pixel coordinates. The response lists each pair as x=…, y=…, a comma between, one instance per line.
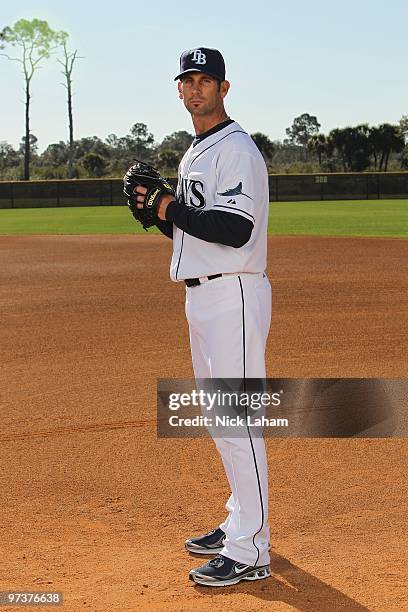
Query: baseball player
x=218, y=222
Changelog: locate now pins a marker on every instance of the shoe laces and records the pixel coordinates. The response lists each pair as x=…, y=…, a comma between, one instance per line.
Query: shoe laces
x=217, y=561
x=211, y=532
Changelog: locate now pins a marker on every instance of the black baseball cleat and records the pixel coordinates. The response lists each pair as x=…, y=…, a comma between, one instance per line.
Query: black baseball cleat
x=208, y=544
x=223, y=571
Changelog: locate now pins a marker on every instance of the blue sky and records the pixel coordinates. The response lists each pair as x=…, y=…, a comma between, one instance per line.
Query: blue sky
x=344, y=62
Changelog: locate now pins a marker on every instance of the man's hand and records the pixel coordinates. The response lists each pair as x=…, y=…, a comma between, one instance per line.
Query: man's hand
x=164, y=201
x=146, y=190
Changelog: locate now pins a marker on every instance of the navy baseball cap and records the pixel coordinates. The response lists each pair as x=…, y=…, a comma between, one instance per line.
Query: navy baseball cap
x=202, y=59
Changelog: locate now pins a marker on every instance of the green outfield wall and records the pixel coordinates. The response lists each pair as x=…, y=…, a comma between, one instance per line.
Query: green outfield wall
x=282, y=187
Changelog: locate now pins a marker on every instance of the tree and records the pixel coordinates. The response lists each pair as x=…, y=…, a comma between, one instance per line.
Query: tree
x=9, y=157
x=393, y=141
x=67, y=64
x=337, y=143
x=55, y=155
x=317, y=144
x=178, y=142
x=353, y=146
x=112, y=141
x=167, y=160
x=375, y=140
x=36, y=40
x=265, y=146
x=94, y=164
x=358, y=147
x=404, y=158
x=91, y=144
x=169, y=152
x=302, y=129
x=140, y=142
x=384, y=140
x=403, y=126
x=33, y=144
x=287, y=156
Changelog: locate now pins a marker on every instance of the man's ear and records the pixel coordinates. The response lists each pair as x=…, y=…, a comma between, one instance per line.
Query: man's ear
x=180, y=90
x=224, y=88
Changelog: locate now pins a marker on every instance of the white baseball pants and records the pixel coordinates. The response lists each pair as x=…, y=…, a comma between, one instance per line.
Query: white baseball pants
x=229, y=319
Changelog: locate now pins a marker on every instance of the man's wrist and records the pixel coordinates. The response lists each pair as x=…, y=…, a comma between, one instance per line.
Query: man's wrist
x=165, y=201
x=171, y=209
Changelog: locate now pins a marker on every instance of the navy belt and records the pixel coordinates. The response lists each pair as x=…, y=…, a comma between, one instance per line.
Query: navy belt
x=193, y=282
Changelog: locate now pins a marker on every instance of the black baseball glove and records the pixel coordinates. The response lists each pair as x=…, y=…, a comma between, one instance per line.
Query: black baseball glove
x=149, y=177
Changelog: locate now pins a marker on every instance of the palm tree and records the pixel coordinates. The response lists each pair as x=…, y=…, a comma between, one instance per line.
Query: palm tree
x=375, y=140
x=337, y=141
x=353, y=146
x=391, y=140
x=265, y=145
x=317, y=144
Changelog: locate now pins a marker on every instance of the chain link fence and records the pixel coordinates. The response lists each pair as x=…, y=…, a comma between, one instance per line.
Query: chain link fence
x=282, y=187
x=342, y=186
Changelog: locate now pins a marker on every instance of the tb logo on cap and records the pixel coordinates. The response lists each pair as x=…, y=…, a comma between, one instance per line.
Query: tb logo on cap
x=199, y=57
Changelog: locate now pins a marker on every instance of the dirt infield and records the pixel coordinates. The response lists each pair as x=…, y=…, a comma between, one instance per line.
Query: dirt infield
x=95, y=506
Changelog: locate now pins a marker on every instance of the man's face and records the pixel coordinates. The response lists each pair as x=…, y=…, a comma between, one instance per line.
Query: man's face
x=201, y=93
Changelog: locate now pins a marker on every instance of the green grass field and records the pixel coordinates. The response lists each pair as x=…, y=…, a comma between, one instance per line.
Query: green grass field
x=333, y=218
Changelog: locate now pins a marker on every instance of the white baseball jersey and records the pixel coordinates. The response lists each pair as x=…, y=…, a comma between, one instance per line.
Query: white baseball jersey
x=226, y=172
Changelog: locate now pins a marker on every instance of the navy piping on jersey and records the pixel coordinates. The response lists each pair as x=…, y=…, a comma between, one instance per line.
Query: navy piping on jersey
x=181, y=250
x=217, y=128
x=233, y=208
x=248, y=428
x=166, y=227
x=189, y=168
x=214, y=143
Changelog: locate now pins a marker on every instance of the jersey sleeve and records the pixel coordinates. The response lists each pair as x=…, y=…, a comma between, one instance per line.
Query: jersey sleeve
x=166, y=228
x=237, y=175
x=210, y=225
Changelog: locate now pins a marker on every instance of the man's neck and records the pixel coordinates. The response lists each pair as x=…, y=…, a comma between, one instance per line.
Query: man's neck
x=203, y=124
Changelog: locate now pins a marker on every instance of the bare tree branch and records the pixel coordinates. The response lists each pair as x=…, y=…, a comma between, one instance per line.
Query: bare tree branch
x=13, y=59
x=67, y=64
